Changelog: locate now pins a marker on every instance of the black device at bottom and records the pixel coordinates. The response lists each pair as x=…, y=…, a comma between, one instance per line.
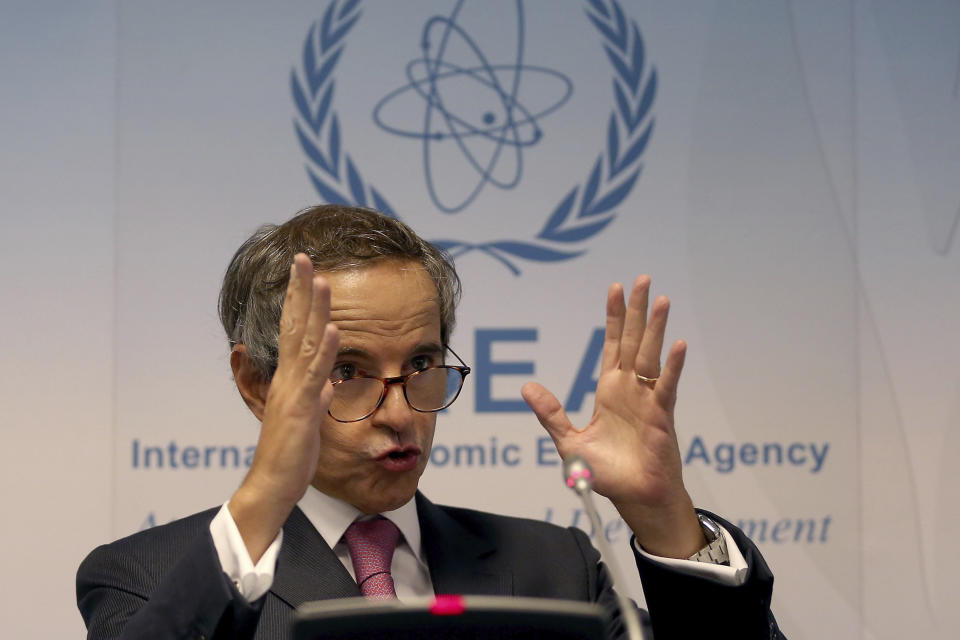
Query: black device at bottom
x=456, y=617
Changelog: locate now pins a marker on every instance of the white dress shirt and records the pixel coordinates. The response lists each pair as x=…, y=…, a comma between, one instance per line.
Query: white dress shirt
x=411, y=576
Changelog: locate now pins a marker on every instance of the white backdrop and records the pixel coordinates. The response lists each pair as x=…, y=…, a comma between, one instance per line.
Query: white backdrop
x=786, y=172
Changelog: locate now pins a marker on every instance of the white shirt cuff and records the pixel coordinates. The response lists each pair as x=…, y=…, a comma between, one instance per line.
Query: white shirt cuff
x=732, y=576
x=251, y=580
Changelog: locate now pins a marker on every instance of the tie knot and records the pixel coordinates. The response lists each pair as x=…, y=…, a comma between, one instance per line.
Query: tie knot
x=371, y=544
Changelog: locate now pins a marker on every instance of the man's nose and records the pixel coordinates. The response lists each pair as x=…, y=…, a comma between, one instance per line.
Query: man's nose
x=394, y=412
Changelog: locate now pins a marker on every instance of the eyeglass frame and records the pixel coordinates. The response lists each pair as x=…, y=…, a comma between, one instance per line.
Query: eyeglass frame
x=463, y=370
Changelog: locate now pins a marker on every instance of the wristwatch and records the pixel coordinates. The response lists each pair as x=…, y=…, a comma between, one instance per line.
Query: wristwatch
x=716, y=550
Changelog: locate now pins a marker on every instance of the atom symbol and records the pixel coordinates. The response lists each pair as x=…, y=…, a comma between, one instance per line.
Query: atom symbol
x=475, y=106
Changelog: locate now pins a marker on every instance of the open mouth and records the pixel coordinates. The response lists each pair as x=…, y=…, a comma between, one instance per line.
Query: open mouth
x=400, y=459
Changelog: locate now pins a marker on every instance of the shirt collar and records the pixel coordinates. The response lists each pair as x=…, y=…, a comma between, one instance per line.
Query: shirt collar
x=331, y=516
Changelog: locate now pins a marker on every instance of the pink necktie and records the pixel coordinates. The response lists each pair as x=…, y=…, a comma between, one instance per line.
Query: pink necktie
x=371, y=544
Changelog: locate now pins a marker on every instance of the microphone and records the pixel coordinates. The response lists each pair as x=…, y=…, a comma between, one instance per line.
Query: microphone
x=579, y=477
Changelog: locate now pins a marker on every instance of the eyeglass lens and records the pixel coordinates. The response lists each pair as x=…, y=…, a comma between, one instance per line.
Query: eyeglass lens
x=429, y=390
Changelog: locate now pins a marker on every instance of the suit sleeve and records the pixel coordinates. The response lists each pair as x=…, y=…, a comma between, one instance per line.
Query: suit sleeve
x=687, y=606
x=120, y=597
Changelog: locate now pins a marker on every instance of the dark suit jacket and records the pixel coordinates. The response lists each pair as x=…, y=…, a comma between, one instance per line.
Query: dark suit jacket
x=166, y=582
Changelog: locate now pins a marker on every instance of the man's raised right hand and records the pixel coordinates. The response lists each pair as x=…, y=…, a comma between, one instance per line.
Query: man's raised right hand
x=292, y=407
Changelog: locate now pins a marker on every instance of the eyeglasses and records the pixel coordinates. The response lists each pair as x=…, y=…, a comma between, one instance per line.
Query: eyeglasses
x=427, y=391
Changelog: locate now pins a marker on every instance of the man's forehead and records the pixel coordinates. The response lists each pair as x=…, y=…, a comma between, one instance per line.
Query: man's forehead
x=389, y=297
x=376, y=269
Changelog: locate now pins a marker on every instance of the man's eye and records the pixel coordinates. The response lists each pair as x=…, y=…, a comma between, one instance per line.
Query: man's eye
x=344, y=371
x=419, y=363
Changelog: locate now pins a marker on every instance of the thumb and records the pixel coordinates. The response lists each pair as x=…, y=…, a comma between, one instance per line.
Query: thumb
x=548, y=410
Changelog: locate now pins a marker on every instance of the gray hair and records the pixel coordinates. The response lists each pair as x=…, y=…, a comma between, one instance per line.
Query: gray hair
x=335, y=238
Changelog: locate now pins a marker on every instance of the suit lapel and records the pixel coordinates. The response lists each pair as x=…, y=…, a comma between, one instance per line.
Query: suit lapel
x=459, y=560
x=307, y=569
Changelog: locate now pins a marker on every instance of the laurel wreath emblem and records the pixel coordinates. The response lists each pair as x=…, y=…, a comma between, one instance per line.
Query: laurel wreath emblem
x=583, y=212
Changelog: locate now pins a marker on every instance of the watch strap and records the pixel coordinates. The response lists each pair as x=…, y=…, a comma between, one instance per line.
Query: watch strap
x=716, y=550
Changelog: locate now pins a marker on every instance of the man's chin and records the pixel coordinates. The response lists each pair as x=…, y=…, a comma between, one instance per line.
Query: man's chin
x=390, y=500
x=382, y=506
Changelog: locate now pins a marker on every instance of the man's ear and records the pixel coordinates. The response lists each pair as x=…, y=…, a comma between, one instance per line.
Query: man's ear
x=250, y=384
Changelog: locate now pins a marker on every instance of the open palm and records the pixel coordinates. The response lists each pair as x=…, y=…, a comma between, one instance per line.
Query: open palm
x=630, y=441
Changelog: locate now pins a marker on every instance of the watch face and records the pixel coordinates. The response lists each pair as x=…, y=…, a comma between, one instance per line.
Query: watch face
x=710, y=528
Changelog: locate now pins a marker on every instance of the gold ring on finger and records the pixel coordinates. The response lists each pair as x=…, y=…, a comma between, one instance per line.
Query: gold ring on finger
x=650, y=382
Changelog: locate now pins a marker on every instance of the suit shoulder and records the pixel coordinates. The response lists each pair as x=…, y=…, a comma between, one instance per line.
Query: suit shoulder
x=494, y=527
x=158, y=546
x=532, y=552
x=188, y=526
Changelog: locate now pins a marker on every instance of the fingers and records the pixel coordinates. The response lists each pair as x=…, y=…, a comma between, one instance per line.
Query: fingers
x=548, y=410
x=614, y=328
x=666, y=388
x=648, y=356
x=634, y=323
x=318, y=348
x=307, y=341
x=319, y=369
x=296, y=307
x=317, y=317
x=640, y=339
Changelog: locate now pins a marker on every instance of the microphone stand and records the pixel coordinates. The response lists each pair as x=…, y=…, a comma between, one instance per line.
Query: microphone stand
x=579, y=477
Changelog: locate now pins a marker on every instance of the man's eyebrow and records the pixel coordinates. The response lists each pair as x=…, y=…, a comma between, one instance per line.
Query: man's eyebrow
x=428, y=347
x=424, y=347
x=352, y=351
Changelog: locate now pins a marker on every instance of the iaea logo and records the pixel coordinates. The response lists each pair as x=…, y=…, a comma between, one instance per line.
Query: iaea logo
x=490, y=143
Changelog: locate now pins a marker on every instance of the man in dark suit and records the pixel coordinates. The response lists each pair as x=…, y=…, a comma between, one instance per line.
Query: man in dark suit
x=338, y=322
